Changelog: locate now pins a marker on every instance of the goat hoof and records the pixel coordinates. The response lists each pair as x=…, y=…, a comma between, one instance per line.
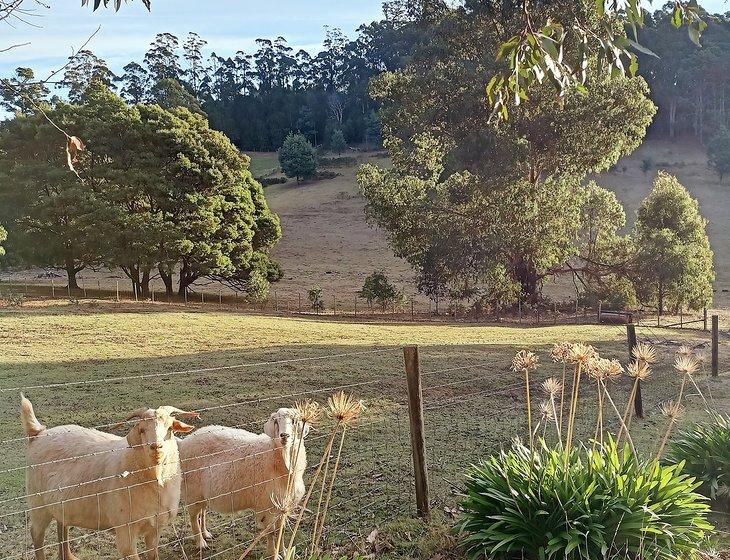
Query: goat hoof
x=208, y=535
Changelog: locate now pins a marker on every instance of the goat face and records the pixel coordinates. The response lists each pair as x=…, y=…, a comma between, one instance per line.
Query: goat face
x=153, y=434
x=285, y=425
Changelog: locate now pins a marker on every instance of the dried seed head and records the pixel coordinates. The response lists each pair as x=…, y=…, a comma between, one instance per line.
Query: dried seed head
x=684, y=350
x=546, y=410
x=639, y=370
x=561, y=352
x=524, y=361
x=673, y=410
x=644, y=353
x=604, y=369
x=686, y=365
x=551, y=386
x=344, y=408
x=701, y=356
x=581, y=353
x=309, y=411
x=285, y=506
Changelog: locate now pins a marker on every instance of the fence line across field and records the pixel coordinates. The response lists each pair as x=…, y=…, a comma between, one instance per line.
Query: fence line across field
x=538, y=315
x=363, y=454
x=264, y=399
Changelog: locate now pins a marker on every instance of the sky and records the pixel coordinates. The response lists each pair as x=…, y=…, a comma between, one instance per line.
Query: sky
x=227, y=25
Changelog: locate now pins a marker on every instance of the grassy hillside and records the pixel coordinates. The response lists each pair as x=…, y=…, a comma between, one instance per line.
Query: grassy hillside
x=236, y=369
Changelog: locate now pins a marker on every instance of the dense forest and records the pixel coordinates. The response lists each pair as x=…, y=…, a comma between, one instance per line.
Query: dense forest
x=257, y=98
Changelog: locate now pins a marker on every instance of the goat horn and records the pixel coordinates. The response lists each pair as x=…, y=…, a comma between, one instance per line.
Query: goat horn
x=171, y=410
x=139, y=413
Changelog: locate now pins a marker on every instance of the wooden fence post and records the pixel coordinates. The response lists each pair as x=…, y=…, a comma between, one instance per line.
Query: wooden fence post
x=715, y=345
x=418, y=439
x=53, y=289
x=638, y=401
x=600, y=308
x=117, y=290
x=704, y=319
x=299, y=295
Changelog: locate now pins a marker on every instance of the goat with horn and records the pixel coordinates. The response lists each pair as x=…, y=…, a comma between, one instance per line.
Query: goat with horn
x=82, y=477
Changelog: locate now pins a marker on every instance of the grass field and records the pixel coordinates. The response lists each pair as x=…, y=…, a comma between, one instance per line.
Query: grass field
x=238, y=368
x=263, y=164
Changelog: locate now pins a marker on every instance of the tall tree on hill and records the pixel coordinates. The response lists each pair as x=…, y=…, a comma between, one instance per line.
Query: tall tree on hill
x=83, y=68
x=161, y=59
x=22, y=92
x=134, y=83
x=508, y=196
x=193, y=55
x=674, y=259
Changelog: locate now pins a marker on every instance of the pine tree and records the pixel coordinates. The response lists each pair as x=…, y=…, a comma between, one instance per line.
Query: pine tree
x=297, y=157
x=674, y=260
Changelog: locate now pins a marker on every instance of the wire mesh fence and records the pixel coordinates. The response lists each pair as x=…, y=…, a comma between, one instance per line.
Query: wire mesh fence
x=473, y=406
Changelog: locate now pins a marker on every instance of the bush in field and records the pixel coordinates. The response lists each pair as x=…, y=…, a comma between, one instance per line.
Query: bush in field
x=316, y=299
x=705, y=451
x=377, y=288
x=257, y=287
x=605, y=503
x=337, y=141
x=297, y=157
x=718, y=152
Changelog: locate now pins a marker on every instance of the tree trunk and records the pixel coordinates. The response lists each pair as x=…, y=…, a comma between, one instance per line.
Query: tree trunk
x=672, y=117
x=166, y=276
x=71, y=272
x=144, y=283
x=660, y=299
x=526, y=275
x=187, y=277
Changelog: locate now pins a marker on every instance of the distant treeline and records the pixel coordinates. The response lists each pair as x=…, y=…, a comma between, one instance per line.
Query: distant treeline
x=690, y=85
x=257, y=98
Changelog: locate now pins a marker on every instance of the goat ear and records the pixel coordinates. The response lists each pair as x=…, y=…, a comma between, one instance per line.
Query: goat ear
x=269, y=428
x=181, y=427
x=133, y=437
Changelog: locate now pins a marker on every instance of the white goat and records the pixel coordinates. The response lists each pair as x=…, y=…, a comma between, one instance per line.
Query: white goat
x=86, y=478
x=229, y=470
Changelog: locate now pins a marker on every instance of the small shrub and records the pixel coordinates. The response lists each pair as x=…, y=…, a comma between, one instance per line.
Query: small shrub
x=614, y=293
x=377, y=288
x=705, y=451
x=316, y=299
x=599, y=503
x=257, y=287
x=337, y=141
x=268, y=181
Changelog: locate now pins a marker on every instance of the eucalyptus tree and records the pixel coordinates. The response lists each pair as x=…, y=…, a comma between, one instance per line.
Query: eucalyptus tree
x=492, y=204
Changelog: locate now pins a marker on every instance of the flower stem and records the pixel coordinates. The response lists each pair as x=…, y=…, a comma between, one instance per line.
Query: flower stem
x=318, y=537
x=303, y=507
